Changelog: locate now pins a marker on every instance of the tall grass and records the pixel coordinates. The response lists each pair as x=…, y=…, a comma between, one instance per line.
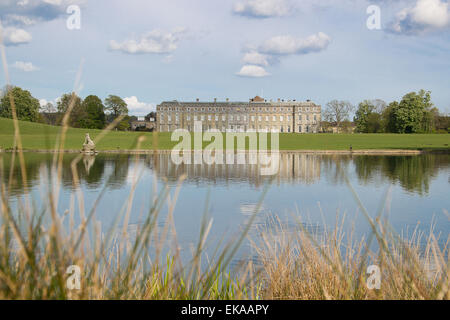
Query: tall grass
x=37, y=245
x=334, y=265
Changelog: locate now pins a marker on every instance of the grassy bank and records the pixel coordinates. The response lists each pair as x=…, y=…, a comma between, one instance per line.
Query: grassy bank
x=43, y=137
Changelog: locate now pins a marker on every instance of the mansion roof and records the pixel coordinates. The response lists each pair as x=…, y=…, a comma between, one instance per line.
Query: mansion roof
x=257, y=101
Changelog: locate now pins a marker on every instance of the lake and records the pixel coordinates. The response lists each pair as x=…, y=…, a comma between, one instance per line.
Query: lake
x=315, y=187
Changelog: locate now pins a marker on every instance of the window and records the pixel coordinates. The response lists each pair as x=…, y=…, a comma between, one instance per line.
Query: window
x=289, y=129
x=281, y=129
x=253, y=118
x=259, y=118
x=202, y=118
x=195, y=118
x=300, y=129
x=169, y=118
x=274, y=118
x=224, y=118
x=281, y=118
x=267, y=118
x=238, y=118
x=315, y=117
x=209, y=117
x=231, y=119
x=188, y=118
x=244, y=118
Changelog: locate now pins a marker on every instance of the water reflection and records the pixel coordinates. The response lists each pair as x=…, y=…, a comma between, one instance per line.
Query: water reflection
x=412, y=173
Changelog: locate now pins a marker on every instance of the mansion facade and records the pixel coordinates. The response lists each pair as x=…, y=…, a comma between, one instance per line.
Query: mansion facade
x=256, y=115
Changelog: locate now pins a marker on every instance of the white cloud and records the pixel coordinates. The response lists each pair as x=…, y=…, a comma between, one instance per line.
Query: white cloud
x=25, y=66
x=425, y=15
x=262, y=8
x=255, y=58
x=25, y=12
x=138, y=108
x=154, y=41
x=287, y=44
x=43, y=102
x=253, y=71
x=14, y=36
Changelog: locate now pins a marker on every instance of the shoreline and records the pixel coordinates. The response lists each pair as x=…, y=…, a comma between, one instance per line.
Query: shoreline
x=392, y=152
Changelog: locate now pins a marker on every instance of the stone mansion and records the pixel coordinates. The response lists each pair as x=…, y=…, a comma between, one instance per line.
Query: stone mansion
x=256, y=115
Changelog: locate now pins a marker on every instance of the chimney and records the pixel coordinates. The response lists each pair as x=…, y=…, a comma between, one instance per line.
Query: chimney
x=228, y=100
x=215, y=100
x=198, y=99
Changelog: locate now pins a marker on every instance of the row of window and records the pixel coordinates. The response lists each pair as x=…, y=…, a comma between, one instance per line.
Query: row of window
x=243, y=109
x=239, y=118
x=282, y=129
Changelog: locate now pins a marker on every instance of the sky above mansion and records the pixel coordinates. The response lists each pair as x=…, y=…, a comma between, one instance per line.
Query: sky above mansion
x=151, y=51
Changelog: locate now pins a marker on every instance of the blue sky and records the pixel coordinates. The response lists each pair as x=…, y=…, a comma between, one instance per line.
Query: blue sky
x=152, y=51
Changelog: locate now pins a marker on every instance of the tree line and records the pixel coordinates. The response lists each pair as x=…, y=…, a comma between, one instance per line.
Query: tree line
x=90, y=112
x=414, y=113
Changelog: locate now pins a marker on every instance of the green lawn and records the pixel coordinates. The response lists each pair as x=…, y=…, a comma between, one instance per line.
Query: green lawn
x=39, y=136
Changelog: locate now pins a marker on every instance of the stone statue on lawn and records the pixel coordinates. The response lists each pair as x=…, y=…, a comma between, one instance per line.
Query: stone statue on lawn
x=88, y=145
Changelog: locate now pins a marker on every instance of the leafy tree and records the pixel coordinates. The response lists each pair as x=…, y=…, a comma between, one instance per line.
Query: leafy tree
x=443, y=123
x=365, y=109
x=411, y=111
x=369, y=110
x=77, y=113
x=338, y=111
x=124, y=124
x=95, y=113
x=374, y=123
x=388, y=118
x=27, y=107
x=116, y=106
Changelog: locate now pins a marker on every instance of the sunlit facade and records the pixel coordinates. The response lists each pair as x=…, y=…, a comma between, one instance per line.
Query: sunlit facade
x=285, y=116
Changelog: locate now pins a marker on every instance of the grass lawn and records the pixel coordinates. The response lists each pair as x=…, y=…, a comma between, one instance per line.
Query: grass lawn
x=39, y=136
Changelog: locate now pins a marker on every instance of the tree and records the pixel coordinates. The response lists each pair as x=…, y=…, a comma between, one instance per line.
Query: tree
x=124, y=124
x=411, y=111
x=95, y=113
x=116, y=106
x=374, y=123
x=338, y=111
x=77, y=113
x=48, y=114
x=365, y=109
x=388, y=118
x=27, y=107
x=369, y=111
x=48, y=108
x=443, y=123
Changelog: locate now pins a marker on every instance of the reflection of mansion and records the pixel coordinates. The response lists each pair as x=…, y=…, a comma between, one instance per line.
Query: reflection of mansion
x=256, y=115
x=294, y=167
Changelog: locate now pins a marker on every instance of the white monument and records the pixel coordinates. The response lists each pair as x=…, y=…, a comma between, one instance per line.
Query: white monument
x=88, y=145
